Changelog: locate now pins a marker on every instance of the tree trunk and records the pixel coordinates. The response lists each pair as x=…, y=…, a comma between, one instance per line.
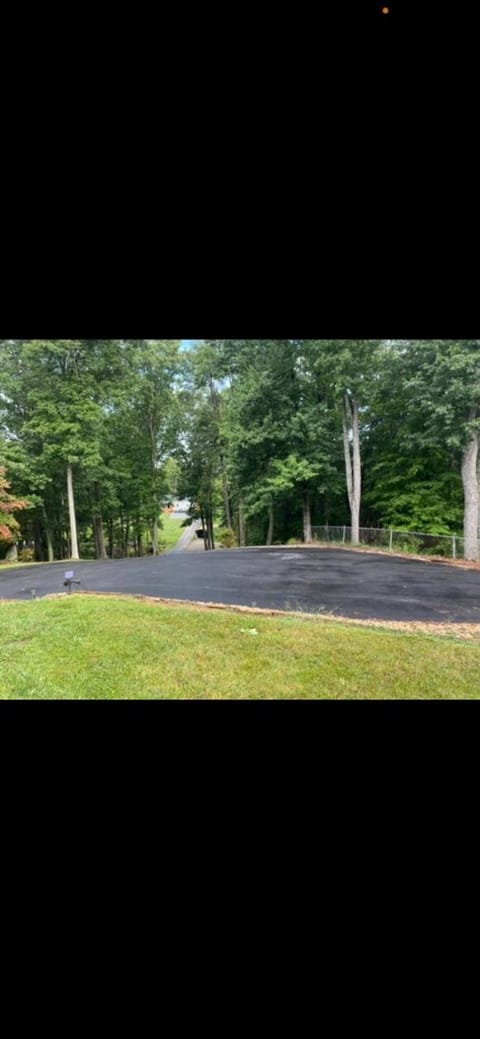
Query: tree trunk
x=110, y=538
x=126, y=535
x=99, y=538
x=478, y=485
x=205, y=532
x=326, y=508
x=155, y=536
x=210, y=528
x=48, y=535
x=241, y=525
x=226, y=499
x=270, y=525
x=357, y=476
x=350, y=422
x=348, y=460
x=471, y=495
x=228, y=514
x=71, y=511
x=95, y=498
x=307, y=518
x=38, y=540
x=95, y=536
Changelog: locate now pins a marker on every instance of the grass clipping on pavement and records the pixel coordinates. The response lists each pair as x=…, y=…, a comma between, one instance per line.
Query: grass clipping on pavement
x=104, y=647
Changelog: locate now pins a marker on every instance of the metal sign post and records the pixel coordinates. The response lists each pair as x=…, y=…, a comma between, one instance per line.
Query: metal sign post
x=69, y=580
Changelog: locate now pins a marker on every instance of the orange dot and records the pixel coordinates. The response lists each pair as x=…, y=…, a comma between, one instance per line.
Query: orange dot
x=385, y=10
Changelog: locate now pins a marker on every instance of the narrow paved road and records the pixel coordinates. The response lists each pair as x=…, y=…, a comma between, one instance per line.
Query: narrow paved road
x=181, y=512
x=355, y=584
x=185, y=538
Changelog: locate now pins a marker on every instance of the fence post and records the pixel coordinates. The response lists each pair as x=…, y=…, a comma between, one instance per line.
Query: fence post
x=344, y=532
x=391, y=540
x=454, y=548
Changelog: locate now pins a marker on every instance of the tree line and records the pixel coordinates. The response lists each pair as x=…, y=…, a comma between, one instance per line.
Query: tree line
x=266, y=437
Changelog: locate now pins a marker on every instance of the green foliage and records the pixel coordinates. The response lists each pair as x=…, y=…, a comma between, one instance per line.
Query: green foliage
x=412, y=461
x=226, y=537
x=248, y=430
x=440, y=548
x=109, y=408
x=172, y=472
x=405, y=497
x=409, y=544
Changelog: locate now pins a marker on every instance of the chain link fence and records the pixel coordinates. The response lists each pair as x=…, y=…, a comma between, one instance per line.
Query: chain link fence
x=451, y=546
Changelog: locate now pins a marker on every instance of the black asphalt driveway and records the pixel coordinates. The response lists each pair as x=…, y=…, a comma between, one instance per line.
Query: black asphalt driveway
x=351, y=584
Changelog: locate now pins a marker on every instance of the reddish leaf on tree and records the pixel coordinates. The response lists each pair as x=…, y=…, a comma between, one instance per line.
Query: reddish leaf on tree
x=8, y=505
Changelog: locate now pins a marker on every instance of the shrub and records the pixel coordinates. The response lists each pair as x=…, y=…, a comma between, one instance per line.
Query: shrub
x=161, y=546
x=226, y=537
x=413, y=545
x=26, y=555
x=294, y=541
x=443, y=548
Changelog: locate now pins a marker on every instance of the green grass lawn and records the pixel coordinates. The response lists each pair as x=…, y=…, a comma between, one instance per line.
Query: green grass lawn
x=92, y=647
x=171, y=530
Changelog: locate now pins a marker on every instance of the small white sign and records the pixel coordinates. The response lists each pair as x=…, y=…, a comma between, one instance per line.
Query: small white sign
x=68, y=575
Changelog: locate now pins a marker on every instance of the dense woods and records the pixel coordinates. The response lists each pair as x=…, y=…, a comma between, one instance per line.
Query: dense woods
x=266, y=438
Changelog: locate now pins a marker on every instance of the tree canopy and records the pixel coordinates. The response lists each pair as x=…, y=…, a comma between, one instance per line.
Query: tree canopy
x=265, y=437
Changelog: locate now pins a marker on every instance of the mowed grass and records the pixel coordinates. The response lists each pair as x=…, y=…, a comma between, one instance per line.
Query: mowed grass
x=92, y=647
x=171, y=530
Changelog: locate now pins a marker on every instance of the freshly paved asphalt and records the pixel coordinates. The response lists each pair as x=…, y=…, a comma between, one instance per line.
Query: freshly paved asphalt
x=351, y=584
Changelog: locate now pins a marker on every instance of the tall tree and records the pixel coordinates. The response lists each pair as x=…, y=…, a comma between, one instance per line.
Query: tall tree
x=442, y=378
x=262, y=400
x=65, y=414
x=348, y=370
x=151, y=412
x=55, y=403
x=412, y=479
x=210, y=371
